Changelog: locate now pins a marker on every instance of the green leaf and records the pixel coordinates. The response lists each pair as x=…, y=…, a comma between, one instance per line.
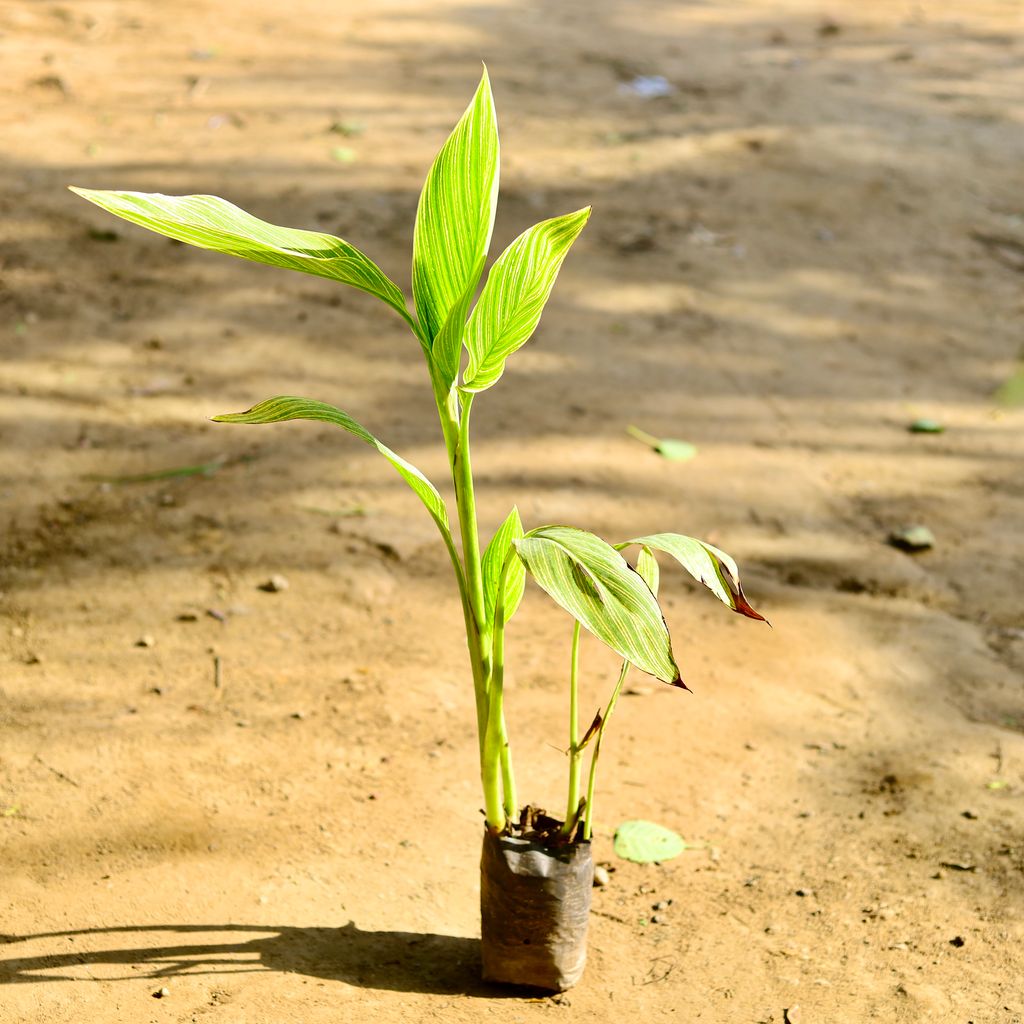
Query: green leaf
x=514, y=296
x=453, y=229
x=212, y=223
x=647, y=567
x=669, y=448
x=276, y=410
x=644, y=842
x=515, y=575
x=714, y=568
x=595, y=585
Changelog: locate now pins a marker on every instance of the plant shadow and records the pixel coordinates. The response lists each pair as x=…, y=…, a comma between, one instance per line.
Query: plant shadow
x=394, y=961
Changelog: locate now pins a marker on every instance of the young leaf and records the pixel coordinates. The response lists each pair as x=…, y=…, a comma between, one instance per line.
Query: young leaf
x=714, y=568
x=453, y=229
x=212, y=223
x=647, y=568
x=593, y=582
x=515, y=575
x=513, y=298
x=276, y=410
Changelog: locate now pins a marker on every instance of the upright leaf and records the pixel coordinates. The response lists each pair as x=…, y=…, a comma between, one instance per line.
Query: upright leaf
x=212, y=223
x=514, y=296
x=453, y=228
x=714, y=568
x=594, y=583
x=493, y=561
x=276, y=410
x=647, y=567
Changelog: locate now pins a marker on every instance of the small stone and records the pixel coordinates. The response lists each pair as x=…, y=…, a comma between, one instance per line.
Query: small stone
x=661, y=905
x=657, y=919
x=804, y=892
x=957, y=940
x=638, y=691
x=969, y=815
x=145, y=641
x=162, y=993
x=792, y=1015
x=601, y=877
x=275, y=584
x=912, y=538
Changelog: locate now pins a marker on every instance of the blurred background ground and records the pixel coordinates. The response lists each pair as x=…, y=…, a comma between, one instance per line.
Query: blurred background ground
x=815, y=238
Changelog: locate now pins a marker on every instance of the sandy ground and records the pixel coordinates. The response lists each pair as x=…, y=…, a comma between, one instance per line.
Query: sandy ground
x=815, y=239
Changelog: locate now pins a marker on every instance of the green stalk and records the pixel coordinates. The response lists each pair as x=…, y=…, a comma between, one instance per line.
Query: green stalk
x=495, y=760
x=588, y=810
x=496, y=717
x=575, y=753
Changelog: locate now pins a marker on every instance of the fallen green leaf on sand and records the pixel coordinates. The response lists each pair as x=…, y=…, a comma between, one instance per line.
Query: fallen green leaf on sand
x=644, y=842
x=926, y=426
x=667, y=447
x=1012, y=392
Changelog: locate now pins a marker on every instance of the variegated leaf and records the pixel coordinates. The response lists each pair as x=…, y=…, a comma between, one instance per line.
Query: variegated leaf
x=212, y=223
x=594, y=583
x=276, y=410
x=647, y=567
x=493, y=561
x=514, y=296
x=453, y=229
x=705, y=563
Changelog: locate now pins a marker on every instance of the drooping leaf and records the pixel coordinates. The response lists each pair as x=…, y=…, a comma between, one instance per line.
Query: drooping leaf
x=515, y=575
x=513, y=298
x=644, y=842
x=593, y=582
x=208, y=222
x=453, y=229
x=276, y=410
x=706, y=564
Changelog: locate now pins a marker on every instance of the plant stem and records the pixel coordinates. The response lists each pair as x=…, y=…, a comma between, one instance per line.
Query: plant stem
x=496, y=710
x=588, y=810
x=575, y=754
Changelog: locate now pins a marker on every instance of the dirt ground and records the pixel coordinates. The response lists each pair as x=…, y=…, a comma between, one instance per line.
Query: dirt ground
x=814, y=239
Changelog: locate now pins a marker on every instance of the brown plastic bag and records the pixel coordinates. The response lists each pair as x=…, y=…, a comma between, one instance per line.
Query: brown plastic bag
x=534, y=908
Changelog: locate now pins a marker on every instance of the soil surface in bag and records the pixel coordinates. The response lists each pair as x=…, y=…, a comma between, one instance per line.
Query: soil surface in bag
x=534, y=909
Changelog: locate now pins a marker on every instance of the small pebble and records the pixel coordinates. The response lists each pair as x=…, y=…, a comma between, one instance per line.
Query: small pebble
x=601, y=877
x=957, y=940
x=161, y=993
x=145, y=641
x=657, y=919
x=275, y=584
x=792, y=1015
x=661, y=905
x=804, y=892
x=912, y=538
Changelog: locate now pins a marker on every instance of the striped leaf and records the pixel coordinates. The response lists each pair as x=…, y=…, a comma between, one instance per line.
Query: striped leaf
x=453, y=229
x=595, y=585
x=514, y=296
x=714, y=568
x=211, y=223
x=647, y=567
x=276, y=410
x=493, y=561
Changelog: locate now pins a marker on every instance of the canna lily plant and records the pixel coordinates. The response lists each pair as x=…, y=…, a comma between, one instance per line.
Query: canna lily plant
x=465, y=345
